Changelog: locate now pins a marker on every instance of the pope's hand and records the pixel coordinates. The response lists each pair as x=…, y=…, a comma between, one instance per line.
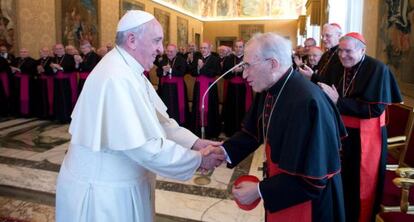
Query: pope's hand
x=212, y=157
x=201, y=144
x=246, y=192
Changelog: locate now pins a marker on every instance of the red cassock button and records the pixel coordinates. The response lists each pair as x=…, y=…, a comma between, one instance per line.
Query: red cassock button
x=247, y=178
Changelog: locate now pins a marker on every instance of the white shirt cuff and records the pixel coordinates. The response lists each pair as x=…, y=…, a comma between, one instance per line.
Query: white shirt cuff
x=227, y=156
x=258, y=190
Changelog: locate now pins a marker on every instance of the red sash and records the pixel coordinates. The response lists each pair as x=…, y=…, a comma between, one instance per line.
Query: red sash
x=50, y=88
x=371, y=142
x=204, y=84
x=24, y=92
x=300, y=212
x=4, y=78
x=179, y=81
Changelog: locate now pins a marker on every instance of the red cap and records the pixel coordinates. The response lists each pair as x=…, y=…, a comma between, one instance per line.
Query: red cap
x=358, y=36
x=336, y=25
x=247, y=178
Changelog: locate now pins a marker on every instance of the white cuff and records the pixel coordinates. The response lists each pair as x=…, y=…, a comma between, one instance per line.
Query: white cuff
x=258, y=190
x=227, y=156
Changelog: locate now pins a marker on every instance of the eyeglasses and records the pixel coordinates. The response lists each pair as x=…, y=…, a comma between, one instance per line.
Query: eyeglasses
x=247, y=65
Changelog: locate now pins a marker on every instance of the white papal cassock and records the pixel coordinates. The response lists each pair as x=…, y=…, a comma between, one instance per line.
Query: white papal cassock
x=121, y=137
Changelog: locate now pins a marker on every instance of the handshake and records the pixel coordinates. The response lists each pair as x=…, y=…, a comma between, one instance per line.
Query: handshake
x=211, y=152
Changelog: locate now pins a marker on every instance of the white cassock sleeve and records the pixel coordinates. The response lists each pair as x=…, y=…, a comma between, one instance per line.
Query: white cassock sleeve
x=176, y=133
x=166, y=158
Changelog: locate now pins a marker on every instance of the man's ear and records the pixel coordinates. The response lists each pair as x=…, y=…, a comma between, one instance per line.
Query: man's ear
x=275, y=64
x=130, y=42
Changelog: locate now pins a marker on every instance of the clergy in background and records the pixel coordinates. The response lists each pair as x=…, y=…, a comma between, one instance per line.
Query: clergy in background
x=331, y=32
x=122, y=135
x=361, y=87
x=172, y=90
x=300, y=129
x=46, y=82
x=85, y=62
x=205, y=69
x=237, y=93
x=65, y=87
x=24, y=69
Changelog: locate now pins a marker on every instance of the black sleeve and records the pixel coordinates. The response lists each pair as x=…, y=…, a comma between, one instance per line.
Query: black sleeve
x=90, y=63
x=353, y=107
x=291, y=189
x=239, y=146
x=180, y=66
x=68, y=64
x=212, y=67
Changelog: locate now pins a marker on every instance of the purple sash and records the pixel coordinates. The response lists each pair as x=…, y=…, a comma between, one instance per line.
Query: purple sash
x=24, y=92
x=83, y=75
x=71, y=76
x=249, y=97
x=50, y=87
x=179, y=81
x=4, y=78
x=204, y=84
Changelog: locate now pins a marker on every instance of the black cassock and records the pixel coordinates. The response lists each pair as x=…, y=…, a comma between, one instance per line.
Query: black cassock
x=172, y=88
x=64, y=91
x=328, y=59
x=237, y=96
x=368, y=88
x=45, y=87
x=303, y=140
x=204, y=77
x=24, y=95
x=85, y=67
x=4, y=87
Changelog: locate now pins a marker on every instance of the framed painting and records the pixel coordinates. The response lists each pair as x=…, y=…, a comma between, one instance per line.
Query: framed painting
x=8, y=25
x=182, y=32
x=197, y=40
x=227, y=41
x=163, y=18
x=125, y=5
x=247, y=31
x=79, y=22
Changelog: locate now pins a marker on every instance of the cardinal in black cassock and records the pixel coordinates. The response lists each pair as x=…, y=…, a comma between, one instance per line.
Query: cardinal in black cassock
x=362, y=89
x=300, y=128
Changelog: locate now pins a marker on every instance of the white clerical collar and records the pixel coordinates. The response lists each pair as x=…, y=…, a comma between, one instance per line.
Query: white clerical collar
x=130, y=61
x=240, y=56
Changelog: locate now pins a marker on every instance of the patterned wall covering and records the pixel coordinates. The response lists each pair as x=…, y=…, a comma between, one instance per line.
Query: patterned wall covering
x=277, y=9
x=36, y=25
x=109, y=20
x=396, y=39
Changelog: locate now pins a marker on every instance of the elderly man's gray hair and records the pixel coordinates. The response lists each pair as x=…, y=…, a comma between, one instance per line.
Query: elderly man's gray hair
x=270, y=45
x=121, y=37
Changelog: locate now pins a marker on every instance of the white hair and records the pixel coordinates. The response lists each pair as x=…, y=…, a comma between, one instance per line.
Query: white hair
x=121, y=37
x=270, y=45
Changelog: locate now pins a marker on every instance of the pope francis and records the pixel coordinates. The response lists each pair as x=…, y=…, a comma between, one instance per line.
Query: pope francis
x=122, y=135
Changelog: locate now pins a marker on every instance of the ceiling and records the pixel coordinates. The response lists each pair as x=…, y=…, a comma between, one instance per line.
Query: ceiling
x=218, y=10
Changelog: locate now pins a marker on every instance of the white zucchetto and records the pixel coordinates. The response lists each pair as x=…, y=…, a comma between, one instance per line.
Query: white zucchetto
x=132, y=19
